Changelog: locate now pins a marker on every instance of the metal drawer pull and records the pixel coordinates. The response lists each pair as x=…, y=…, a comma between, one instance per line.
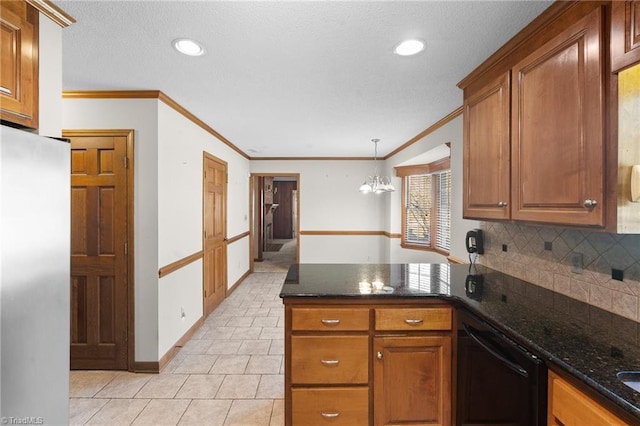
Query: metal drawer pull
x=6, y=90
x=330, y=361
x=329, y=415
x=330, y=321
x=413, y=321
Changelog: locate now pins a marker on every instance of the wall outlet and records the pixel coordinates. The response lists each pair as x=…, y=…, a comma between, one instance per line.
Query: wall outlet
x=548, y=245
x=617, y=274
x=504, y=247
x=576, y=263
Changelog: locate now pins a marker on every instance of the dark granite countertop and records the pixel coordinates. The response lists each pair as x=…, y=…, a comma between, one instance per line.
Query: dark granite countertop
x=585, y=341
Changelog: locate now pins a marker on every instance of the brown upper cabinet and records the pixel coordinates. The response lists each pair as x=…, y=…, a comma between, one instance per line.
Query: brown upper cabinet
x=625, y=34
x=540, y=125
x=19, y=62
x=486, y=177
x=557, y=158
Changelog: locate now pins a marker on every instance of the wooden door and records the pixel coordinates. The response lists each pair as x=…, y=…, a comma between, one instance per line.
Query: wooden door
x=100, y=292
x=558, y=129
x=486, y=156
x=412, y=380
x=283, y=215
x=215, y=231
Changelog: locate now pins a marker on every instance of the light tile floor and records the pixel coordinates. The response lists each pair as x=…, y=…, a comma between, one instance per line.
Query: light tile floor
x=229, y=373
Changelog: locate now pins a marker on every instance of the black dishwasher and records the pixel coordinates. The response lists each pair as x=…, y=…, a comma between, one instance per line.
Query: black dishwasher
x=499, y=382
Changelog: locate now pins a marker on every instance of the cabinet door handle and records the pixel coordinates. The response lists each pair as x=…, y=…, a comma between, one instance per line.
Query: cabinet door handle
x=5, y=90
x=502, y=204
x=379, y=355
x=330, y=415
x=330, y=362
x=590, y=203
x=330, y=321
x=413, y=321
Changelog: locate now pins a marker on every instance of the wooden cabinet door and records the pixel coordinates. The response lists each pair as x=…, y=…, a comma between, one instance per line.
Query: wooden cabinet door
x=570, y=407
x=19, y=63
x=557, y=137
x=486, y=152
x=625, y=34
x=412, y=380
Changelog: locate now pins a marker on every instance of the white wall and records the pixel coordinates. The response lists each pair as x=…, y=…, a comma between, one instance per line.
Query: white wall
x=342, y=249
x=450, y=132
x=330, y=201
x=181, y=144
x=141, y=115
x=168, y=208
x=50, y=77
x=168, y=160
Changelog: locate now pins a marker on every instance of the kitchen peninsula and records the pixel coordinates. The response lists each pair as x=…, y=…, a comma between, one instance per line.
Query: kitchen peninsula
x=351, y=333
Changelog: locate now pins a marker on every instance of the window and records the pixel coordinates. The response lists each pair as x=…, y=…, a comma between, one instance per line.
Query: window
x=426, y=206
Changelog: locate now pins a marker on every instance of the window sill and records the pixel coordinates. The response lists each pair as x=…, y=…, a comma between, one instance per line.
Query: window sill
x=423, y=248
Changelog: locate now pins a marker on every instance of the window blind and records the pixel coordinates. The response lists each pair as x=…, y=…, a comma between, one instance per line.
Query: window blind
x=443, y=210
x=418, y=202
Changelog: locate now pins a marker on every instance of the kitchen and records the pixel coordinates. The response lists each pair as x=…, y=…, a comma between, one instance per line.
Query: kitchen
x=156, y=119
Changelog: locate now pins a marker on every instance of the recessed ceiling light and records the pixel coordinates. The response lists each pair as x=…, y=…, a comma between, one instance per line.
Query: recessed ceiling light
x=409, y=47
x=188, y=47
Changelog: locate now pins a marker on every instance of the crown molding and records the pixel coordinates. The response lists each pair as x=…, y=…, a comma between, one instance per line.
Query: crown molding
x=454, y=114
x=310, y=158
x=53, y=12
x=151, y=94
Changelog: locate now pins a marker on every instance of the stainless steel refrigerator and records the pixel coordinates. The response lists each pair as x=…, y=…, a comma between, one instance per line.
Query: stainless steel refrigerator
x=34, y=278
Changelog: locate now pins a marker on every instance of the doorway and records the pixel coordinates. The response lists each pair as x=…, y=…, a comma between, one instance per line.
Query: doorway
x=275, y=221
x=101, y=249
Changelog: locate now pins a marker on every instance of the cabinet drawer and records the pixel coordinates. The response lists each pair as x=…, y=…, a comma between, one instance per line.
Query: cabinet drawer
x=332, y=406
x=413, y=319
x=328, y=319
x=330, y=359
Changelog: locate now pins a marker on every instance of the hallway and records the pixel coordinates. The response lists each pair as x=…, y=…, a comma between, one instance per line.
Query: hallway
x=229, y=373
x=278, y=261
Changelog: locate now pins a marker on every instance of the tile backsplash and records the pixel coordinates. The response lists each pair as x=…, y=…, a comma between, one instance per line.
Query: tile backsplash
x=575, y=263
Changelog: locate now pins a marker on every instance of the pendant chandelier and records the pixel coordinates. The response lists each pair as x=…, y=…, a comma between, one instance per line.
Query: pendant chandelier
x=376, y=184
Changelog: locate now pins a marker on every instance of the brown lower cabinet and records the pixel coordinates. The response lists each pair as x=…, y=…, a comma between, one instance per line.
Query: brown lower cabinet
x=367, y=364
x=568, y=406
x=412, y=380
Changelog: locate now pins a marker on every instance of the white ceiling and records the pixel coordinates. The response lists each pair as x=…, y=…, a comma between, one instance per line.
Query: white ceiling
x=293, y=79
